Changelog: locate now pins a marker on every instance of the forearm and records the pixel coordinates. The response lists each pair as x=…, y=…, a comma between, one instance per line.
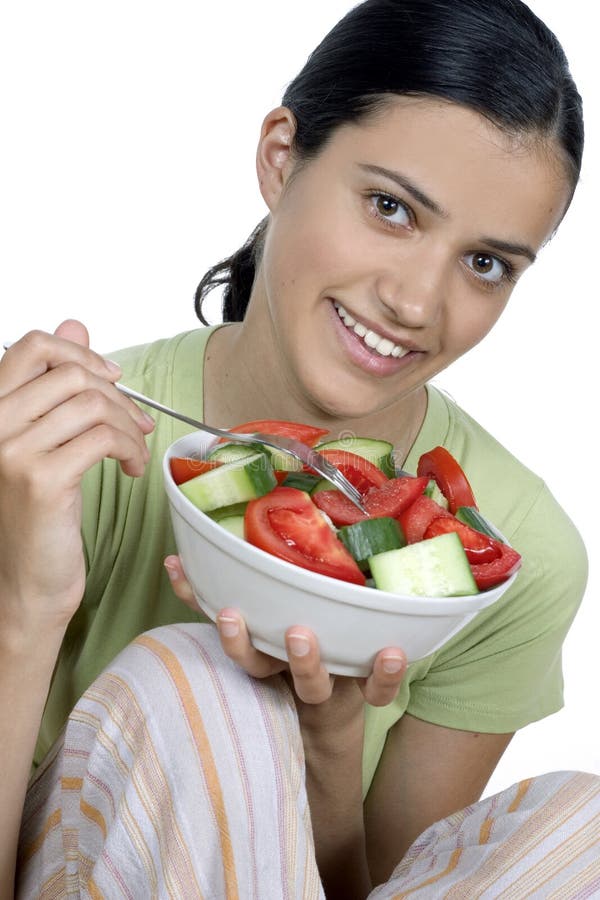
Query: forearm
x=26, y=667
x=334, y=787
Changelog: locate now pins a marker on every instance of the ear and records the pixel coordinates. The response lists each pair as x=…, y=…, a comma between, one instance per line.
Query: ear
x=274, y=154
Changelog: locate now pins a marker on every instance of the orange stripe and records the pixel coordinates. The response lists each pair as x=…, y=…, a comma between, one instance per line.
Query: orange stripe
x=484, y=831
x=51, y=822
x=521, y=791
x=90, y=812
x=95, y=894
x=456, y=854
x=560, y=858
x=71, y=784
x=116, y=697
x=204, y=751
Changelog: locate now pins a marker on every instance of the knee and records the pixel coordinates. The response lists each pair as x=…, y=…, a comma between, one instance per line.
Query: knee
x=177, y=671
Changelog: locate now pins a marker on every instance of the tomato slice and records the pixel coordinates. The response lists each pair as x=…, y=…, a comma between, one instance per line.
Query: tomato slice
x=388, y=500
x=359, y=471
x=490, y=574
x=308, y=434
x=440, y=465
x=479, y=548
x=416, y=518
x=287, y=524
x=183, y=468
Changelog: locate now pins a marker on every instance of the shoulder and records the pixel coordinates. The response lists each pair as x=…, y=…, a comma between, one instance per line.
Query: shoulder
x=508, y=492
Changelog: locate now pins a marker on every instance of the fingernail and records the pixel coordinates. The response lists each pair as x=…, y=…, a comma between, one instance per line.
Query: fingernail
x=228, y=627
x=392, y=664
x=112, y=367
x=171, y=572
x=149, y=419
x=298, y=644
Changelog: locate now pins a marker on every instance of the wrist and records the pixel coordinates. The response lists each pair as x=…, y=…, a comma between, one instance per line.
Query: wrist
x=35, y=640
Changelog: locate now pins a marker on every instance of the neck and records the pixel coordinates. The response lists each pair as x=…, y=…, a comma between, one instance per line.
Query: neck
x=245, y=379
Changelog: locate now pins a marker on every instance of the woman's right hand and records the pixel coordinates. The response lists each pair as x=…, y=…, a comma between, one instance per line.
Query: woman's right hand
x=312, y=683
x=59, y=415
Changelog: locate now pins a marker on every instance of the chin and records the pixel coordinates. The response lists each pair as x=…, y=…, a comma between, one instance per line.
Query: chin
x=342, y=404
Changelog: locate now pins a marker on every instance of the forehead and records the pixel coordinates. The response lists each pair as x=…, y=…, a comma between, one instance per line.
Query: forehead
x=475, y=172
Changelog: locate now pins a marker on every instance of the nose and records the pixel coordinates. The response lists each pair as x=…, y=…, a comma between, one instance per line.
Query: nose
x=412, y=292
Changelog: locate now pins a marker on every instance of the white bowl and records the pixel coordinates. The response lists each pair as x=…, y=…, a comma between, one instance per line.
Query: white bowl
x=352, y=623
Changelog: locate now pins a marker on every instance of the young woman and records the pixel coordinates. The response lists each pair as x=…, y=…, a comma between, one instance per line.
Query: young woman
x=418, y=163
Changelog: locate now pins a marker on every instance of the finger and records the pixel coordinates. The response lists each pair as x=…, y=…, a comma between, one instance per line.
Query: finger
x=37, y=352
x=238, y=647
x=179, y=582
x=382, y=685
x=69, y=462
x=73, y=330
x=312, y=682
x=51, y=392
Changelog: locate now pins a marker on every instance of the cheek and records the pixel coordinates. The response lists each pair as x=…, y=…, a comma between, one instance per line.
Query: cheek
x=307, y=257
x=470, y=319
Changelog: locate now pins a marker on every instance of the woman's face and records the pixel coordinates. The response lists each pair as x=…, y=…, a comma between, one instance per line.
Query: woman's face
x=396, y=250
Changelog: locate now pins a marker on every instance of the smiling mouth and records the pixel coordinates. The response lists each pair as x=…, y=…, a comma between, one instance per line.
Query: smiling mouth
x=371, y=339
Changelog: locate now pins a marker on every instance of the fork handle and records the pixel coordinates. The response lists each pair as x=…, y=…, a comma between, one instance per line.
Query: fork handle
x=141, y=398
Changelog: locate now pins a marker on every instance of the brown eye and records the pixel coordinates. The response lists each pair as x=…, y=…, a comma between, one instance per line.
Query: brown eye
x=391, y=210
x=483, y=264
x=488, y=268
x=386, y=206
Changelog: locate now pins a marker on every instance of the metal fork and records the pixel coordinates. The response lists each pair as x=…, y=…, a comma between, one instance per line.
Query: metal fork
x=297, y=449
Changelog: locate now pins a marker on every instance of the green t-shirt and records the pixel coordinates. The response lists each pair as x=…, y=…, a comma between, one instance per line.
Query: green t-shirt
x=502, y=671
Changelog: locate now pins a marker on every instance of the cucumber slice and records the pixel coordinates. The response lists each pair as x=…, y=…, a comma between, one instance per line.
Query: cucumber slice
x=230, y=452
x=323, y=485
x=472, y=517
x=224, y=512
x=437, y=567
x=433, y=492
x=380, y=453
x=233, y=482
x=282, y=461
x=304, y=481
x=372, y=536
x=234, y=524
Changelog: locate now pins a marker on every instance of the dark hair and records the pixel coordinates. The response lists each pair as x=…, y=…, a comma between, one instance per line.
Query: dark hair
x=494, y=56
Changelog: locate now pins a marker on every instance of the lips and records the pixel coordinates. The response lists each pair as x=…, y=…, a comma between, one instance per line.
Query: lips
x=369, y=356
x=373, y=340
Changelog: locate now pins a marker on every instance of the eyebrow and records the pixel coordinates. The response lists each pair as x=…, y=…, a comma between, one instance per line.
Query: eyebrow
x=511, y=247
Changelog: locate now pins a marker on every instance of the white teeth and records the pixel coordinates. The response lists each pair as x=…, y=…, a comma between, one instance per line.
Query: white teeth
x=381, y=345
x=385, y=347
x=371, y=339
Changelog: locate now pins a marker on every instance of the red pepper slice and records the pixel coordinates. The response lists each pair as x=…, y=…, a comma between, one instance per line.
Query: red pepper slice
x=388, y=500
x=287, y=524
x=183, y=468
x=479, y=548
x=418, y=516
x=359, y=471
x=308, y=434
x=440, y=465
x=490, y=574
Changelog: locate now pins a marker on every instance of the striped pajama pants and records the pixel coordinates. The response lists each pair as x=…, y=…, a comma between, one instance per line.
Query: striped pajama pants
x=178, y=776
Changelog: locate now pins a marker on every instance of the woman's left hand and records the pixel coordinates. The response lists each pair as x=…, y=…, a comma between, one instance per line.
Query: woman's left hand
x=312, y=682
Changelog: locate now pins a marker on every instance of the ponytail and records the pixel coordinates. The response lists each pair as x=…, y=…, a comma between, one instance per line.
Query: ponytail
x=237, y=273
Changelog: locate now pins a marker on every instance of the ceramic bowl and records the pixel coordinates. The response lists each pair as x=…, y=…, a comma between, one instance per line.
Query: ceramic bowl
x=352, y=623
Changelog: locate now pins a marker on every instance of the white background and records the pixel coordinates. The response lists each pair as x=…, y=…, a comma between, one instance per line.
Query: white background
x=129, y=133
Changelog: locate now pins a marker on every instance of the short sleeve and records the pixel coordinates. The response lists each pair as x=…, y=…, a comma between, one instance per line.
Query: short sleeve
x=504, y=670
